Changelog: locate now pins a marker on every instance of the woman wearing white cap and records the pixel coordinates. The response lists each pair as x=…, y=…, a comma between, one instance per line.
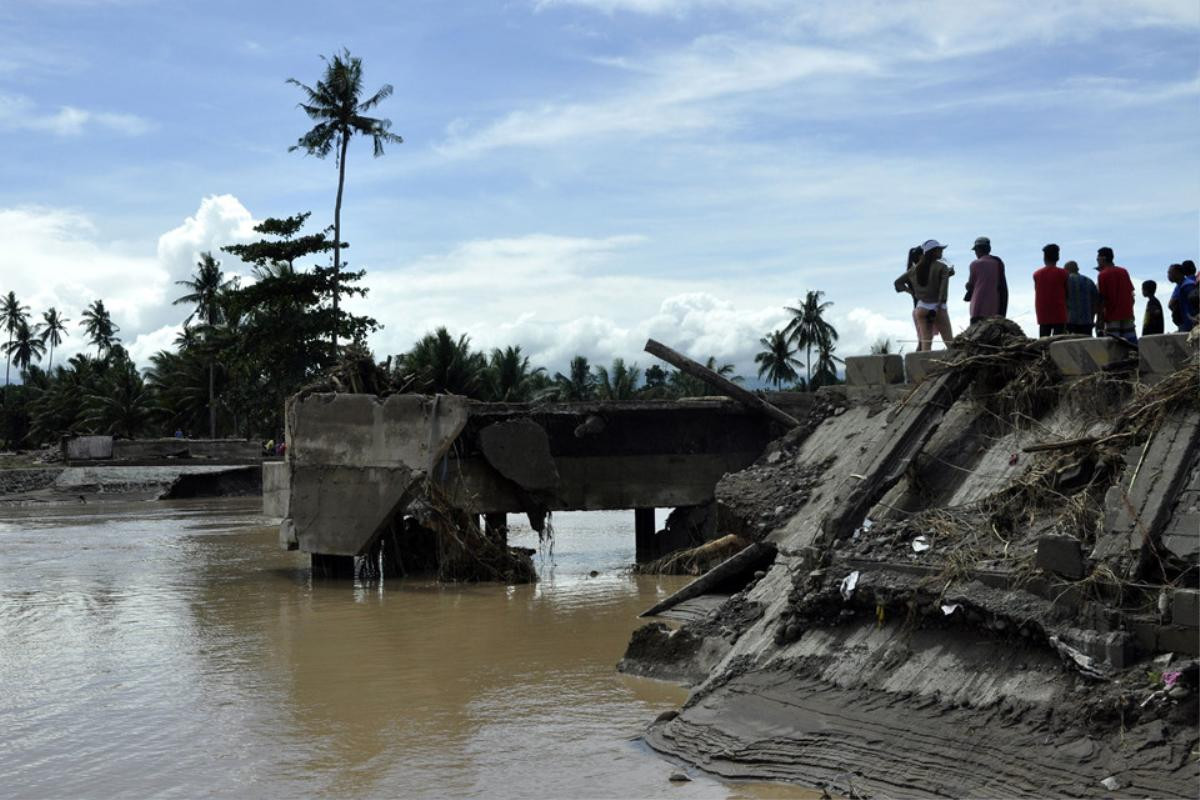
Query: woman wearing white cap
x=929, y=280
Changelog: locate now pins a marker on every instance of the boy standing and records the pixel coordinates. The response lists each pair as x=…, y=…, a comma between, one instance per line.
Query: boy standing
x=1152, y=318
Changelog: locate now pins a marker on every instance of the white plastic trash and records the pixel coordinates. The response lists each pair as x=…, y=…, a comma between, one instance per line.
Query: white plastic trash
x=848, y=584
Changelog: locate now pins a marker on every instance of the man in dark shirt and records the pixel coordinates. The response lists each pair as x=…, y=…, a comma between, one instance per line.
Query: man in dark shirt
x=1185, y=299
x=1116, y=297
x=1152, y=319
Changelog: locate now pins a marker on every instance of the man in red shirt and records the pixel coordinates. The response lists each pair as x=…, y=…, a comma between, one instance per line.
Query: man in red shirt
x=1050, y=294
x=1116, y=297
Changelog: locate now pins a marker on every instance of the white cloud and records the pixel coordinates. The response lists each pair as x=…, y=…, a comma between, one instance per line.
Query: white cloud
x=561, y=296
x=57, y=257
x=20, y=113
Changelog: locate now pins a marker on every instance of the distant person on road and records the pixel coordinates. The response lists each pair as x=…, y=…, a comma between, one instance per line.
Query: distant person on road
x=1152, y=317
x=178, y=433
x=1050, y=294
x=1083, y=298
x=1116, y=297
x=987, y=288
x=930, y=282
x=1184, y=302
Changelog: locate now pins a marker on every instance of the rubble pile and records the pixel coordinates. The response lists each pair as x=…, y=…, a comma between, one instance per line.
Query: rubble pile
x=986, y=586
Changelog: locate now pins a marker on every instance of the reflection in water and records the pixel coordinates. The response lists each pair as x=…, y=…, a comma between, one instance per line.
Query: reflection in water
x=172, y=649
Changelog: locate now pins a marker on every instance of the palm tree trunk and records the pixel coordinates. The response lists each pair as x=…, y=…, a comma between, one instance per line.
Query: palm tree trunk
x=212, y=409
x=50, y=366
x=337, y=234
x=7, y=363
x=808, y=358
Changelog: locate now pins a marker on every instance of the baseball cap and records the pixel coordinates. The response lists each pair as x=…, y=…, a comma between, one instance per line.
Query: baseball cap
x=982, y=241
x=931, y=244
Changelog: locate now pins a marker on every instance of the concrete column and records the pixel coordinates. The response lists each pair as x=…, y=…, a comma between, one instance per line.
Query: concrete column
x=643, y=531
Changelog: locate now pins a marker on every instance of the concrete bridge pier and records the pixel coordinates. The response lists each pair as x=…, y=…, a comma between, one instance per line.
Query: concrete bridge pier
x=643, y=532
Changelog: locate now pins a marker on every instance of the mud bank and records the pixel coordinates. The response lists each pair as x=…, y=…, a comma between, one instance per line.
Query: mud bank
x=97, y=484
x=985, y=585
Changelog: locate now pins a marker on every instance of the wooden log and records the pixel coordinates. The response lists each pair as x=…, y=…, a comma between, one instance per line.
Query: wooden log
x=720, y=383
x=744, y=562
x=1065, y=444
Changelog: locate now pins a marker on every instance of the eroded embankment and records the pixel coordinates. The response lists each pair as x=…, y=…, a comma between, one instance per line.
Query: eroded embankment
x=988, y=591
x=94, y=484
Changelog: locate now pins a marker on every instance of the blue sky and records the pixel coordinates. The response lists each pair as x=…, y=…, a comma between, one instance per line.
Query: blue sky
x=580, y=174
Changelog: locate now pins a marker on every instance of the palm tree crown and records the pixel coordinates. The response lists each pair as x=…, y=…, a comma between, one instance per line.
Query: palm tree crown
x=206, y=288
x=52, y=329
x=808, y=327
x=25, y=347
x=98, y=325
x=776, y=361
x=12, y=314
x=339, y=113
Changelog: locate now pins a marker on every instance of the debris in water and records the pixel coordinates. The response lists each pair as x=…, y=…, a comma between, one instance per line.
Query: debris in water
x=921, y=544
x=848, y=584
x=1111, y=783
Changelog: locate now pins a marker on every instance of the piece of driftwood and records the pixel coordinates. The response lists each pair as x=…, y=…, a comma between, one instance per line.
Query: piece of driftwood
x=744, y=562
x=720, y=383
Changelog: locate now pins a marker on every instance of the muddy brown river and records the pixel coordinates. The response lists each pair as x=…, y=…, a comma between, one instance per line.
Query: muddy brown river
x=171, y=650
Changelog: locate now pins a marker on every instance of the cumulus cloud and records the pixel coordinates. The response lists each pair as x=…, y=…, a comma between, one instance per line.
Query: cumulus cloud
x=561, y=296
x=58, y=257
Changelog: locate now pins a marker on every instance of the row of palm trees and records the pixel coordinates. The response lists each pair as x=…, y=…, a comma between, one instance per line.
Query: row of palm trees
x=27, y=344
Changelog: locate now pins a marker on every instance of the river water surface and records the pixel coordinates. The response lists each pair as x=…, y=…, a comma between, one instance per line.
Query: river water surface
x=171, y=649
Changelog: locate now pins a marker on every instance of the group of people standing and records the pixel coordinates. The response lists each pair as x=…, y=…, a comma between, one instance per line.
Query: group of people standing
x=1065, y=301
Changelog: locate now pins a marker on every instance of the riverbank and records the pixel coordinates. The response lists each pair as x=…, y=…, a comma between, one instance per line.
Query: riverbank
x=92, y=484
x=989, y=589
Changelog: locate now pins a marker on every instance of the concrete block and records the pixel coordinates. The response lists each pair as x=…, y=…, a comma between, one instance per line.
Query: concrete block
x=1078, y=357
x=519, y=449
x=277, y=488
x=89, y=448
x=874, y=370
x=1061, y=555
x=918, y=364
x=1164, y=353
x=1185, y=607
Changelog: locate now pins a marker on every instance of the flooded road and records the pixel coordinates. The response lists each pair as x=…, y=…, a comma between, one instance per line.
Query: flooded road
x=170, y=649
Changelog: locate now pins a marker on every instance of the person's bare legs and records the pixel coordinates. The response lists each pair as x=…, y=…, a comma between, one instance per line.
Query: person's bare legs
x=924, y=329
x=942, y=322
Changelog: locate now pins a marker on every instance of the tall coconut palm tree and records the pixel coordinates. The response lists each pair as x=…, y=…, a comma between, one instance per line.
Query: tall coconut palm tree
x=52, y=329
x=776, y=361
x=339, y=113
x=207, y=287
x=618, y=383
x=12, y=314
x=98, y=325
x=808, y=327
x=25, y=347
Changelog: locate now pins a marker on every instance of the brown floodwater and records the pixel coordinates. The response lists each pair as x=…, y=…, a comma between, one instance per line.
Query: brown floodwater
x=171, y=649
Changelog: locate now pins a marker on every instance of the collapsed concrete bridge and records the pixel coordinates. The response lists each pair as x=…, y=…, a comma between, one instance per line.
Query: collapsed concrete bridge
x=355, y=461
